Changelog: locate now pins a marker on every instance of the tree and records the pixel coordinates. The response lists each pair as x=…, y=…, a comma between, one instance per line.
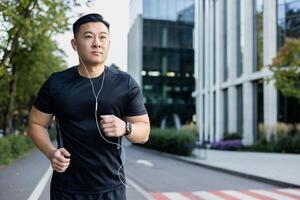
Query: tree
x=28, y=53
x=286, y=68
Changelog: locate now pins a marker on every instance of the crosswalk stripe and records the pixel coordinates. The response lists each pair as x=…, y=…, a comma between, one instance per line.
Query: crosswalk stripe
x=207, y=195
x=256, y=195
x=287, y=194
x=276, y=194
x=159, y=196
x=272, y=195
x=239, y=195
x=290, y=191
x=191, y=196
x=224, y=195
x=175, y=195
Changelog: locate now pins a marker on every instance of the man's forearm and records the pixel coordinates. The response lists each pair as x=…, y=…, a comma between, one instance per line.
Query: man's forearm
x=40, y=138
x=140, y=132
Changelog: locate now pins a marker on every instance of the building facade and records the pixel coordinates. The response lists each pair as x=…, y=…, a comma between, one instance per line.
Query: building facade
x=235, y=42
x=161, y=56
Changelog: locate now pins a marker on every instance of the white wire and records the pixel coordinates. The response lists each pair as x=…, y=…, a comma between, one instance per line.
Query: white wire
x=97, y=124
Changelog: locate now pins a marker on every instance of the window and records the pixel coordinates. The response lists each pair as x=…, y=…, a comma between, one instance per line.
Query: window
x=258, y=35
x=240, y=109
x=225, y=108
x=288, y=20
x=241, y=36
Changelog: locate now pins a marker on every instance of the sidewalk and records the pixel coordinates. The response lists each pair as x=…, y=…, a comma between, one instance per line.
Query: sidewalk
x=279, y=169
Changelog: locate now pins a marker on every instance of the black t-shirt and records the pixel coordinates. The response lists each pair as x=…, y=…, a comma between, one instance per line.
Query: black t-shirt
x=68, y=95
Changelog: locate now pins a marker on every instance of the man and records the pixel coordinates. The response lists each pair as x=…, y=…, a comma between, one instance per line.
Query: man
x=95, y=106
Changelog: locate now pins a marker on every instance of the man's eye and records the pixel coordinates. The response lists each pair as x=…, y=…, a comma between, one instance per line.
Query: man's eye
x=88, y=36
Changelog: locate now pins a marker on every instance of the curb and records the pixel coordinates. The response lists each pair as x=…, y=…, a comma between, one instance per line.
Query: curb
x=227, y=171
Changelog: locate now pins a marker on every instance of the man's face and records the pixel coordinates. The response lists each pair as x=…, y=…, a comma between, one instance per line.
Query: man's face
x=92, y=43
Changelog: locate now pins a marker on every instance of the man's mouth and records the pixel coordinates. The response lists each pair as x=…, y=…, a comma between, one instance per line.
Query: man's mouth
x=97, y=53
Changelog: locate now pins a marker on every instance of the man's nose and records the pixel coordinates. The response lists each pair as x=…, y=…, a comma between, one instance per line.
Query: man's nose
x=96, y=42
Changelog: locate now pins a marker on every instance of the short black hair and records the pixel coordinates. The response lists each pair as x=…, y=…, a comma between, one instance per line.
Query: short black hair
x=93, y=17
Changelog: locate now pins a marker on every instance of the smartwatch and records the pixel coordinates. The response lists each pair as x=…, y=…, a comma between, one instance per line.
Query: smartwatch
x=128, y=128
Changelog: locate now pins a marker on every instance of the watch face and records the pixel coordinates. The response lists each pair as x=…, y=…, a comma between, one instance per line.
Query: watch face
x=128, y=128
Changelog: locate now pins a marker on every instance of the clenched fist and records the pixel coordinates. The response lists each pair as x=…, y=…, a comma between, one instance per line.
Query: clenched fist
x=112, y=126
x=60, y=159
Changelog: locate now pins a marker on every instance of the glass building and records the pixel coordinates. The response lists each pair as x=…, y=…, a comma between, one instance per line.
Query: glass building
x=235, y=41
x=161, y=56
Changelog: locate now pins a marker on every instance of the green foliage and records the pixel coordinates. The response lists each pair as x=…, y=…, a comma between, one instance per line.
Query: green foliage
x=283, y=144
x=232, y=136
x=259, y=40
x=28, y=53
x=5, y=151
x=12, y=147
x=286, y=68
x=171, y=141
x=19, y=144
x=261, y=146
x=288, y=144
x=52, y=134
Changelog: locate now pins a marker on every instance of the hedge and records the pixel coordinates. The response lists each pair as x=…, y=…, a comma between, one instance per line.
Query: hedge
x=14, y=146
x=171, y=141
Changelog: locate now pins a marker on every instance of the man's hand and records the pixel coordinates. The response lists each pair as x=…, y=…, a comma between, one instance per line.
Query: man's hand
x=112, y=126
x=60, y=159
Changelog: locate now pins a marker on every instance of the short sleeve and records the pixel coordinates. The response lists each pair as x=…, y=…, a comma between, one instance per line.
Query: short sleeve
x=44, y=100
x=135, y=103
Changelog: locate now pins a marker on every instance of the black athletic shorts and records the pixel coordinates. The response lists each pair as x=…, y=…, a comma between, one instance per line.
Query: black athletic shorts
x=117, y=194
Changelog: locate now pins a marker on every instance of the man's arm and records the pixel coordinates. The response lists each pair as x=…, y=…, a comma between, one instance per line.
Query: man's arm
x=140, y=129
x=115, y=127
x=37, y=130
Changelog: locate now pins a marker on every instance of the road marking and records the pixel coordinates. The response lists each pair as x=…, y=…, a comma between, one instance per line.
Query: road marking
x=239, y=195
x=207, y=195
x=139, y=189
x=277, y=194
x=291, y=191
x=175, y=195
x=145, y=162
x=272, y=195
x=41, y=185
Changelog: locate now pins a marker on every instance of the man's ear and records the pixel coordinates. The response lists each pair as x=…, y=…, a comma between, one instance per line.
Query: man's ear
x=73, y=43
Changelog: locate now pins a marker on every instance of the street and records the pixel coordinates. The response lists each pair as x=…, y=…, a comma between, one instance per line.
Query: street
x=149, y=175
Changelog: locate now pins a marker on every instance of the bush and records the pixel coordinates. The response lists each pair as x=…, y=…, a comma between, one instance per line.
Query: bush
x=19, y=144
x=288, y=144
x=283, y=144
x=261, y=146
x=5, y=151
x=232, y=136
x=169, y=140
x=13, y=146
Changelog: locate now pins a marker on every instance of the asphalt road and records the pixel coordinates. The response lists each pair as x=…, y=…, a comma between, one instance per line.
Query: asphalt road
x=149, y=172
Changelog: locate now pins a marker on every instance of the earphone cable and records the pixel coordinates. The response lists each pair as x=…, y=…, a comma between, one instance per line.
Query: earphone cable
x=97, y=124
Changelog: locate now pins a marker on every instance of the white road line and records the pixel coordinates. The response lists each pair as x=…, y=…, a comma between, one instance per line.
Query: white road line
x=272, y=195
x=139, y=189
x=239, y=195
x=175, y=196
x=145, y=162
x=207, y=196
x=290, y=191
x=41, y=185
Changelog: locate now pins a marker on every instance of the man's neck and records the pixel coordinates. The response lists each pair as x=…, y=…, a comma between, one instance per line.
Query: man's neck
x=90, y=71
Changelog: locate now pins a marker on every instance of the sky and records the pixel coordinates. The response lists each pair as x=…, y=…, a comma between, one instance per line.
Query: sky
x=116, y=12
